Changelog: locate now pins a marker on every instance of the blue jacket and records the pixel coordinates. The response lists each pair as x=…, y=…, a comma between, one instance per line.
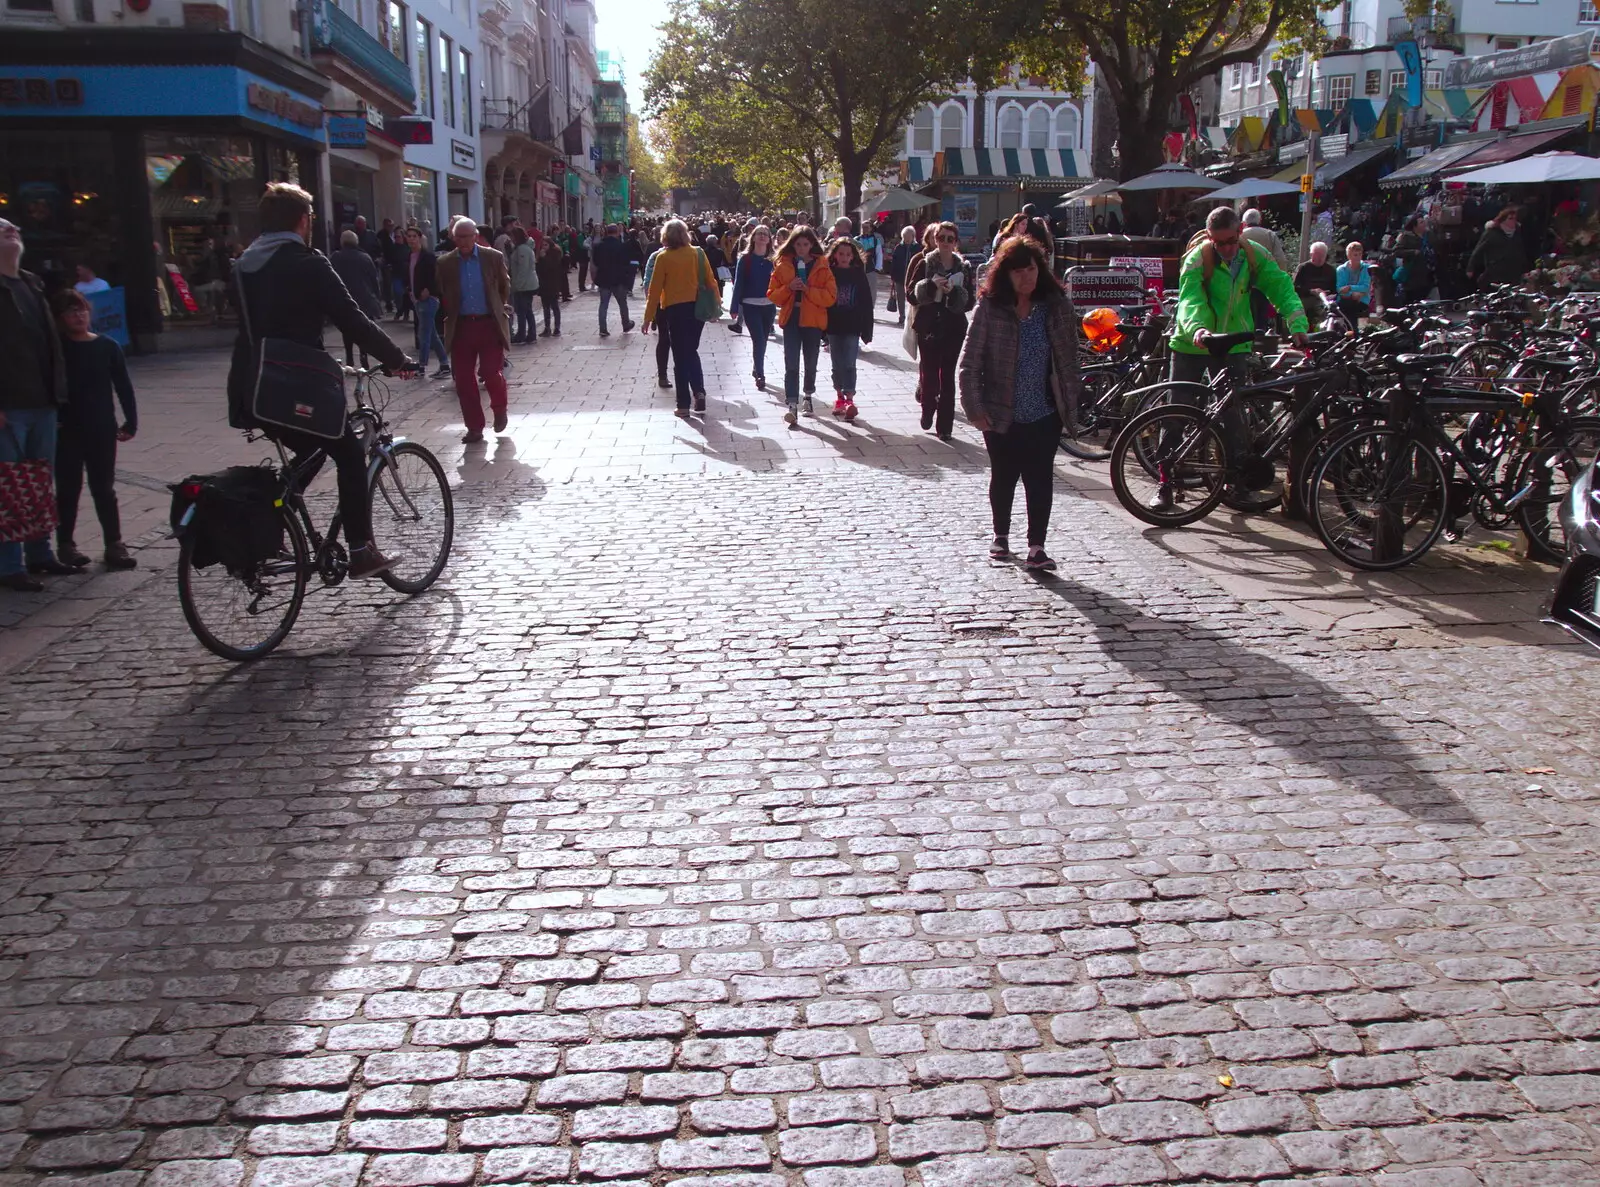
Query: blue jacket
x=750, y=278
x=1359, y=280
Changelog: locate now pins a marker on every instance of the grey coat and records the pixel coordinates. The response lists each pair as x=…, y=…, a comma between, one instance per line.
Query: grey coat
x=360, y=276
x=986, y=376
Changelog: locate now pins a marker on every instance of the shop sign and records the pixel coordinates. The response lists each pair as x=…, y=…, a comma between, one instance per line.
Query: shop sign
x=1542, y=57
x=965, y=216
x=1088, y=287
x=411, y=129
x=109, y=316
x=41, y=92
x=463, y=155
x=574, y=185
x=558, y=168
x=347, y=131
x=545, y=193
x=1155, y=278
x=283, y=105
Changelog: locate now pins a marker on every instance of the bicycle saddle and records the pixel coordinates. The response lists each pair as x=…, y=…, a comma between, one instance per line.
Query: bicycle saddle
x=1220, y=344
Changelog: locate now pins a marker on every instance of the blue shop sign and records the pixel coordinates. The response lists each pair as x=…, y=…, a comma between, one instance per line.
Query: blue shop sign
x=154, y=92
x=347, y=131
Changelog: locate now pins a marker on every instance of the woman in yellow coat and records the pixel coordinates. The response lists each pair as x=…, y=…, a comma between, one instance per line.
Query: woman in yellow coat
x=802, y=289
x=679, y=271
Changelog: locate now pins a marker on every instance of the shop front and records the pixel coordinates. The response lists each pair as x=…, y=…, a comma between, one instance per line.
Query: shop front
x=150, y=174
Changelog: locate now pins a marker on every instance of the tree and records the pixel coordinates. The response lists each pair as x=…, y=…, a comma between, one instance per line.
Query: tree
x=1147, y=53
x=649, y=179
x=848, y=75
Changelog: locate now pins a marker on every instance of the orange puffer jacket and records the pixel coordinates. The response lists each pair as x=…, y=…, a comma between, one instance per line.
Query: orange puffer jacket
x=819, y=292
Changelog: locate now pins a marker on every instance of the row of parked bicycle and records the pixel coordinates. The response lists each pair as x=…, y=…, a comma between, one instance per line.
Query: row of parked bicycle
x=1385, y=438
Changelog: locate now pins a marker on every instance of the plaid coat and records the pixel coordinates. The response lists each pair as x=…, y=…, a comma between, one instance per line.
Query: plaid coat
x=987, y=374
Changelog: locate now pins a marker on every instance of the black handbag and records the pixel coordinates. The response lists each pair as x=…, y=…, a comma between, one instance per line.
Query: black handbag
x=297, y=387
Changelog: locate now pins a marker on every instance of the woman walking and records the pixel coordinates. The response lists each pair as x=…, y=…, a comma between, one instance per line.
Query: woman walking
x=802, y=289
x=849, y=322
x=680, y=272
x=750, y=301
x=899, y=262
x=551, y=272
x=663, y=335
x=940, y=286
x=422, y=284
x=524, y=285
x=1019, y=375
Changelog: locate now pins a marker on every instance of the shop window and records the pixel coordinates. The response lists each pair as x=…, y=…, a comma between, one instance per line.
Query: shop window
x=203, y=195
x=424, y=42
x=31, y=5
x=57, y=187
x=1374, y=81
x=447, y=95
x=922, y=130
x=417, y=197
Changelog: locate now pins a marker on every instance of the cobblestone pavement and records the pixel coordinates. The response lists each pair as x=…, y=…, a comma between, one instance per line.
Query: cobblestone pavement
x=747, y=827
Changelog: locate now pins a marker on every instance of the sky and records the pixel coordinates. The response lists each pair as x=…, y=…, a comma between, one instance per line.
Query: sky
x=628, y=28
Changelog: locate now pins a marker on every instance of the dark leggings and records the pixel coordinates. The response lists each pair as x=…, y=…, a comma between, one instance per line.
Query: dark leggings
x=936, y=374
x=522, y=301
x=351, y=460
x=663, y=344
x=95, y=452
x=551, y=304
x=1027, y=452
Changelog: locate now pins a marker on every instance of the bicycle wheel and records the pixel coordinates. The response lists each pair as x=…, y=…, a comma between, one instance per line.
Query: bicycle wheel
x=244, y=615
x=1547, y=474
x=1168, y=466
x=1094, y=422
x=1484, y=360
x=413, y=516
x=1378, y=499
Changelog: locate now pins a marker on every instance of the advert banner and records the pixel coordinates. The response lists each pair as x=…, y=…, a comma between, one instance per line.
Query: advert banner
x=1541, y=57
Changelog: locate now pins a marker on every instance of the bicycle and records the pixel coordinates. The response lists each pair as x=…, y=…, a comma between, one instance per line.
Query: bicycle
x=242, y=614
x=1383, y=495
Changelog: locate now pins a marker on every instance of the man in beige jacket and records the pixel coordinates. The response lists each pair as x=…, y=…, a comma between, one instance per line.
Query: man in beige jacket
x=474, y=286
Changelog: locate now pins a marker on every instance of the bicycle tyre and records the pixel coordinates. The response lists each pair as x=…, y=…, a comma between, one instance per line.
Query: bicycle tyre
x=404, y=577
x=1344, y=482
x=190, y=578
x=1202, y=464
x=1484, y=360
x=1329, y=436
x=1096, y=416
x=1539, y=515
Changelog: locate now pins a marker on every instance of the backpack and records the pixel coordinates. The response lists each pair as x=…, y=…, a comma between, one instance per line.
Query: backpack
x=234, y=517
x=1209, y=257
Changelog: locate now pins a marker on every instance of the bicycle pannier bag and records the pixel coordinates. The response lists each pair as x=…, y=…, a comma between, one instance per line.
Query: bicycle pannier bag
x=232, y=516
x=27, y=498
x=297, y=386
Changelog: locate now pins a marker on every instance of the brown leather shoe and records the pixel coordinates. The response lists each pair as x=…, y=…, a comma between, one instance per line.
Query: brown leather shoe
x=472, y=439
x=117, y=556
x=500, y=422
x=369, y=562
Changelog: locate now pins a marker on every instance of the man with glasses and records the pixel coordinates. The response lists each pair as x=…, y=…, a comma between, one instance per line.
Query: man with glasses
x=1214, y=288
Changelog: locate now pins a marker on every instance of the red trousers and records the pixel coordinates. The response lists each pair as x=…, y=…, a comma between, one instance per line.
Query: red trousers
x=477, y=346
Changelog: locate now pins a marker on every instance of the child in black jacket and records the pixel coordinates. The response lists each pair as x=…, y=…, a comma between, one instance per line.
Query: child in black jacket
x=849, y=323
x=88, y=436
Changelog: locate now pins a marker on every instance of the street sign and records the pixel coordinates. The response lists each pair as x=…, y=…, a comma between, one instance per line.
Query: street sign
x=557, y=168
x=1308, y=182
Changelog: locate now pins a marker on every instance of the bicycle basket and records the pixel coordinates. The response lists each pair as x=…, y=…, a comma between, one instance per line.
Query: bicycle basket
x=232, y=516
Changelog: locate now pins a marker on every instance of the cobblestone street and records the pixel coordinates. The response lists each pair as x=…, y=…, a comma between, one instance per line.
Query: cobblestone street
x=726, y=818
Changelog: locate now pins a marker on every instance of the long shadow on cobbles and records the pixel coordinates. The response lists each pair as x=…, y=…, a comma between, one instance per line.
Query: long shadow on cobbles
x=1280, y=704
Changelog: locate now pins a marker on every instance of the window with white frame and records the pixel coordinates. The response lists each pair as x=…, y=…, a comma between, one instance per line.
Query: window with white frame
x=1336, y=90
x=1038, y=126
x=1397, y=81
x=922, y=131
x=1236, y=76
x=1067, y=123
x=1588, y=12
x=952, y=126
x=1010, y=127
x=1255, y=73
x=1432, y=80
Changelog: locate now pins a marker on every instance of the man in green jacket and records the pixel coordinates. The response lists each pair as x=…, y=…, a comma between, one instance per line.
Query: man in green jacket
x=1214, y=287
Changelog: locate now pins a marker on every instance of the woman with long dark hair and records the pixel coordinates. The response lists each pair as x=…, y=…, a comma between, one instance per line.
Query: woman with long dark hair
x=751, y=304
x=1019, y=375
x=802, y=289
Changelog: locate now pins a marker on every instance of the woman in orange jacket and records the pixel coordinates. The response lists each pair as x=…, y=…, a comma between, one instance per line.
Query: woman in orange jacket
x=802, y=289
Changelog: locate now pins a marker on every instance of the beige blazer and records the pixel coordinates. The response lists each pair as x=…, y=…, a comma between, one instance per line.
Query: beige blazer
x=497, y=291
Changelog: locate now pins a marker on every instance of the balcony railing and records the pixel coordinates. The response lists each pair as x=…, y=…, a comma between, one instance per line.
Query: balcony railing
x=610, y=112
x=1438, y=32
x=340, y=35
x=531, y=118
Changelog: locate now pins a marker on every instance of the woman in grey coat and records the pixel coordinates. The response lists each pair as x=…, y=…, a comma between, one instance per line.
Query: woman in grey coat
x=1018, y=376
x=360, y=276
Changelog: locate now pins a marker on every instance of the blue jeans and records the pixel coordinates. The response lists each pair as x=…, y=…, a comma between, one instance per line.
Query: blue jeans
x=758, y=320
x=428, y=331
x=798, y=340
x=620, y=292
x=843, y=349
x=29, y=435
x=684, y=328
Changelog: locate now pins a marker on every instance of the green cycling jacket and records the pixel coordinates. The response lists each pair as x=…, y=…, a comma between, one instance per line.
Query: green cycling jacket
x=1222, y=304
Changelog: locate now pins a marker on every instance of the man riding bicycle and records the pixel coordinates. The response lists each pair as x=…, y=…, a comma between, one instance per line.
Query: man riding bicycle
x=1214, y=286
x=290, y=289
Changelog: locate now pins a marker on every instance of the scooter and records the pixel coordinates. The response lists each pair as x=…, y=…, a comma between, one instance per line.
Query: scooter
x=1575, y=605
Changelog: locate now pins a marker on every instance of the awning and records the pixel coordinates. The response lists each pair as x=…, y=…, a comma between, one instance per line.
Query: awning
x=1424, y=168
x=1329, y=172
x=918, y=169
x=1575, y=93
x=1045, y=165
x=1525, y=92
x=1497, y=152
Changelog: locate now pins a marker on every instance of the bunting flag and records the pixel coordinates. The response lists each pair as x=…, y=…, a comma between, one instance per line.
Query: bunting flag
x=1574, y=93
x=1388, y=123
x=1280, y=88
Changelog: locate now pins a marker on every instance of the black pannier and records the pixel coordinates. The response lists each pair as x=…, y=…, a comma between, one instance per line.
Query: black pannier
x=233, y=516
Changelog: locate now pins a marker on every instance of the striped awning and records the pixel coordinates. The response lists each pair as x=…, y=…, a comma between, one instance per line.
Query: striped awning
x=918, y=169
x=1046, y=165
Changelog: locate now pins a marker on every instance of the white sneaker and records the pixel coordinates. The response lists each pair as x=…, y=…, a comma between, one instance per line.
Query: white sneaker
x=805, y=406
